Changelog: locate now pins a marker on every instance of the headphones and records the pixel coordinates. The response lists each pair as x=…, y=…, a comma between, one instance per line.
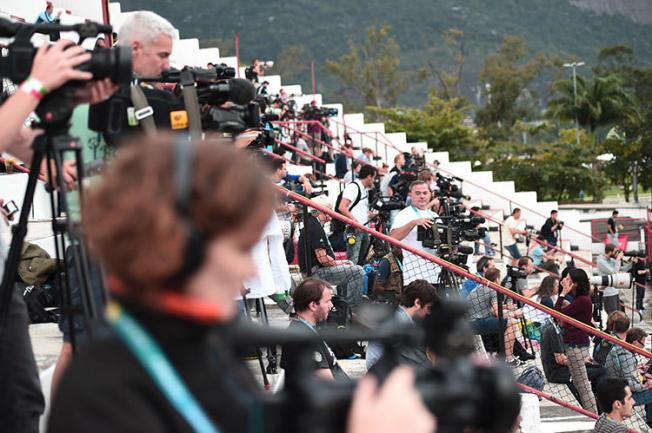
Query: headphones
x=183, y=156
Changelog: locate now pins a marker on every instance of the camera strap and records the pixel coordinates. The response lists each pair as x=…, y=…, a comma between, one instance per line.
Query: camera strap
x=159, y=368
x=144, y=111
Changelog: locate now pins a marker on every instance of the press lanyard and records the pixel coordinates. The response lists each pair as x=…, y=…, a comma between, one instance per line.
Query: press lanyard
x=312, y=328
x=417, y=211
x=151, y=357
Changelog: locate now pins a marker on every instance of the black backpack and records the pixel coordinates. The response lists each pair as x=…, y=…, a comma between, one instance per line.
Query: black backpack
x=601, y=349
x=338, y=226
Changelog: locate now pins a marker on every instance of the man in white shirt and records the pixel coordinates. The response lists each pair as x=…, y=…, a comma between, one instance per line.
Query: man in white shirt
x=405, y=229
x=510, y=229
x=355, y=205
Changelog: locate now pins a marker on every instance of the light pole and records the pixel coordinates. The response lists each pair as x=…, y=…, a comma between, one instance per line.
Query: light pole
x=575, y=65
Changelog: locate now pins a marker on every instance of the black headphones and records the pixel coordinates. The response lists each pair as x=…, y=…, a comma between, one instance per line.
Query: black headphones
x=183, y=156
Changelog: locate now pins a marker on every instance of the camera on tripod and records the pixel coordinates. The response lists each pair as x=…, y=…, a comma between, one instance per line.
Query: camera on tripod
x=448, y=188
x=515, y=273
x=312, y=112
x=56, y=107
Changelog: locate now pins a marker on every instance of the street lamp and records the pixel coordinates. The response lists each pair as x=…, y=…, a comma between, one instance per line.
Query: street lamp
x=575, y=65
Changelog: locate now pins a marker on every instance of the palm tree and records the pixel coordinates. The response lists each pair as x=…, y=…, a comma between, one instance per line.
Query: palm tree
x=601, y=101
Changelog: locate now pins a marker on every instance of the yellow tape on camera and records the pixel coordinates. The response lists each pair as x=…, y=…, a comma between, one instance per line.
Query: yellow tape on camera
x=179, y=119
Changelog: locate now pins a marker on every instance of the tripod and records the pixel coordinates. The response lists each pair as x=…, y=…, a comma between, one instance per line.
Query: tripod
x=52, y=146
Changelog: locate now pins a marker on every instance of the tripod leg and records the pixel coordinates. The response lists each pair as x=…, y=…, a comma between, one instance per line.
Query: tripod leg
x=272, y=367
x=20, y=229
x=259, y=353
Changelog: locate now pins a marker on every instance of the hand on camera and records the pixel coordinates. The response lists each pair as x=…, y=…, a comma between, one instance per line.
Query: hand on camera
x=54, y=65
x=423, y=222
x=397, y=406
x=95, y=92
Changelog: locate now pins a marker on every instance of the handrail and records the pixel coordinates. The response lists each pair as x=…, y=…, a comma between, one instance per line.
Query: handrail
x=302, y=152
x=388, y=142
x=464, y=273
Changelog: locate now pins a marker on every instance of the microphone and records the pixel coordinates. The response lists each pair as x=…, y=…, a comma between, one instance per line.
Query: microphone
x=242, y=91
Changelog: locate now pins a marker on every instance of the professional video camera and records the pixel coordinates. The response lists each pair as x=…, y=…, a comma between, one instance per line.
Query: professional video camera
x=462, y=395
x=56, y=108
x=639, y=254
x=620, y=280
x=516, y=273
x=447, y=187
x=448, y=233
x=227, y=105
x=312, y=112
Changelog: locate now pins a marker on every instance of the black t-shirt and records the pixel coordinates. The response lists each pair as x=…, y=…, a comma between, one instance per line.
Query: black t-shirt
x=321, y=357
x=611, y=223
x=107, y=390
x=546, y=229
x=317, y=239
x=639, y=266
x=551, y=343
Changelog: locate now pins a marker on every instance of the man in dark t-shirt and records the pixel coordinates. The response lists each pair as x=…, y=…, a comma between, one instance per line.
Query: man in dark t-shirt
x=318, y=260
x=550, y=227
x=612, y=230
x=312, y=302
x=555, y=362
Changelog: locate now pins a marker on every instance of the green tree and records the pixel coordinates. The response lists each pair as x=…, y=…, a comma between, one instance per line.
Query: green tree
x=449, y=81
x=601, y=101
x=556, y=171
x=507, y=75
x=439, y=123
x=371, y=72
x=292, y=64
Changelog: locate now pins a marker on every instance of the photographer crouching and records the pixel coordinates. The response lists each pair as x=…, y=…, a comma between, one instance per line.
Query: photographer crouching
x=163, y=365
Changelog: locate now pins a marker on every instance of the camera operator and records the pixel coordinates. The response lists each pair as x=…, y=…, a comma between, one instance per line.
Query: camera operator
x=355, y=205
x=280, y=176
x=641, y=272
x=483, y=316
x=482, y=265
x=610, y=263
x=550, y=227
x=388, y=185
x=510, y=229
x=544, y=259
x=526, y=266
x=150, y=38
x=483, y=230
x=180, y=307
x=312, y=303
x=21, y=400
x=405, y=229
x=320, y=261
x=416, y=302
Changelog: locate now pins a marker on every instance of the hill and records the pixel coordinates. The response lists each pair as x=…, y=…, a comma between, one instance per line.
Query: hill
x=324, y=29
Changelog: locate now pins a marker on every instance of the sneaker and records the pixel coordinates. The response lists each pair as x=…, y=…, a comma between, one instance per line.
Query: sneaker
x=525, y=356
x=515, y=363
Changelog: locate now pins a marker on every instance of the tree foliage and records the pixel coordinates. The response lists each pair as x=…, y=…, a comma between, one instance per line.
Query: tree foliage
x=439, y=123
x=371, y=73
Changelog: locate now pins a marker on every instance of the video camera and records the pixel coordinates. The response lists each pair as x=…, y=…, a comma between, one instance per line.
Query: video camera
x=445, y=235
x=312, y=112
x=56, y=107
x=515, y=273
x=448, y=189
x=639, y=254
x=460, y=394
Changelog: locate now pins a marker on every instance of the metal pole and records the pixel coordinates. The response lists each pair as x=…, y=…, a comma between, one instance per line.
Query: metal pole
x=577, y=122
x=312, y=78
x=237, y=55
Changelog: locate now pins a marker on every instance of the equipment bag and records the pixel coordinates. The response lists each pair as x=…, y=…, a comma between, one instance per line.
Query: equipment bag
x=532, y=377
x=338, y=226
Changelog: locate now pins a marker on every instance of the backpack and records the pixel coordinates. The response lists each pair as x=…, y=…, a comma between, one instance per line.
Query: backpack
x=601, y=349
x=338, y=226
x=35, y=265
x=339, y=319
x=532, y=377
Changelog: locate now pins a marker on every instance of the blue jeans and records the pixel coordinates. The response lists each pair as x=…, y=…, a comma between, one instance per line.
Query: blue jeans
x=644, y=397
x=486, y=240
x=513, y=251
x=487, y=325
x=360, y=246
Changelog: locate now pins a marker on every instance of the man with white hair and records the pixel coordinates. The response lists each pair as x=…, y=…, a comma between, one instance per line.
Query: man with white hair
x=150, y=38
